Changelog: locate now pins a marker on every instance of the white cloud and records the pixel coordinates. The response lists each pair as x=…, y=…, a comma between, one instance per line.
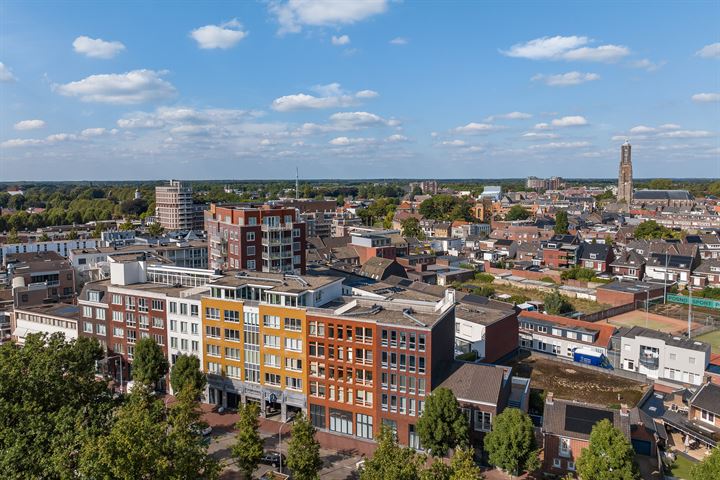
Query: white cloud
x=565, y=79
x=93, y=132
x=330, y=96
x=341, y=40
x=685, y=134
x=6, y=74
x=399, y=41
x=669, y=126
x=454, y=143
x=225, y=35
x=474, y=127
x=642, y=129
x=570, y=121
x=534, y=135
x=559, y=145
x=140, y=120
x=566, y=48
x=647, y=64
x=346, y=141
x=542, y=126
x=396, y=138
x=292, y=15
x=60, y=137
x=97, y=47
x=29, y=125
x=509, y=116
x=137, y=86
x=706, y=97
x=709, y=51
x=21, y=142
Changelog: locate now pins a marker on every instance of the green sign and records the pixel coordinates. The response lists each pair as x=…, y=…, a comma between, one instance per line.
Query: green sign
x=696, y=302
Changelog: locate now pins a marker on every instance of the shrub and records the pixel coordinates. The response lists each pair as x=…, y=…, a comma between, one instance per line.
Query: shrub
x=484, y=277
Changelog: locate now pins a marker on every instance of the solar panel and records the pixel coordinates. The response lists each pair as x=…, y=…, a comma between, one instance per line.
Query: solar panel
x=581, y=419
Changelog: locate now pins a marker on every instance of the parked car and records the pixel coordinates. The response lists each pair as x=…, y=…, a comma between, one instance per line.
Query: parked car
x=272, y=458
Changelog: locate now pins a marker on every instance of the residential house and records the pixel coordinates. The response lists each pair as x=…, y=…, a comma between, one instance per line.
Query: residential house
x=562, y=336
x=487, y=327
x=623, y=292
x=701, y=423
x=379, y=268
x=596, y=256
x=629, y=264
x=708, y=273
x=561, y=251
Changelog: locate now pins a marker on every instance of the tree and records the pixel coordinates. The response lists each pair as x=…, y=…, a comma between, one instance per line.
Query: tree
x=72, y=235
x=126, y=226
x=660, y=184
x=149, y=363
x=709, y=468
x=51, y=405
x=248, y=447
x=557, y=304
x=186, y=371
x=12, y=236
x=609, y=456
x=561, y=222
x=484, y=291
x=44, y=238
x=438, y=470
x=650, y=229
x=517, y=212
x=463, y=465
x=155, y=229
x=390, y=460
x=511, y=443
x=303, y=450
x=442, y=425
x=411, y=227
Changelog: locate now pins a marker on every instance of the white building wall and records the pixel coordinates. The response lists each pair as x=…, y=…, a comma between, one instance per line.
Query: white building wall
x=184, y=328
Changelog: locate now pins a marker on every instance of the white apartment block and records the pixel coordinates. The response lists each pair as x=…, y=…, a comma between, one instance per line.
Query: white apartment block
x=62, y=247
x=185, y=324
x=174, y=206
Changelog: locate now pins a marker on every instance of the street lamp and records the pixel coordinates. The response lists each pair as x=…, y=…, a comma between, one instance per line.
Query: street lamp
x=289, y=419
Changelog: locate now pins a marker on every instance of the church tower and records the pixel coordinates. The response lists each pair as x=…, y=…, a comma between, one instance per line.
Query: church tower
x=625, y=177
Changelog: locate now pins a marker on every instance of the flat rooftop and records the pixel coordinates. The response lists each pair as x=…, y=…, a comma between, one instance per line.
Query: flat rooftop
x=275, y=282
x=629, y=286
x=392, y=312
x=64, y=310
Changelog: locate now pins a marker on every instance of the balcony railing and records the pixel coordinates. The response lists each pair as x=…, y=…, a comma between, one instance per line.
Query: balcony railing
x=649, y=361
x=276, y=228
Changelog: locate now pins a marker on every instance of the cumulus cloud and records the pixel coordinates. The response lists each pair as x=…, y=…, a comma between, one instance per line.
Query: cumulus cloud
x=566, y=48
x=6, y=74
x=293, y=15
x=509, y=116
x=136, y=86
x=454, y=143
x=541, y=126
x=538, y=135
x=569, y=121
x=565, y=79
x=473, y=127
x=396, y=138
x=328, y=96
x=21, y=142
x=647, y=65
x=60, y=137
x=29, y=125
x=92, y=132
x=346, y=141
x=399, y=41
x=559, y=145
x=706, y=97
x=669, y=126
x=642, y=129
x=97, y=47
x=225, y=35
x=341, y=40
x=709, y=51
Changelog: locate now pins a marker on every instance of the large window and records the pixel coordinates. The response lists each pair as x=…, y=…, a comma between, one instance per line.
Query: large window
x=483, y=421
x=364, y=425
x=232, y=316
x=341, y=421
x=293, y=324
x=212, y=313
x=271, y=321
x=565, y=449
x=317, y=416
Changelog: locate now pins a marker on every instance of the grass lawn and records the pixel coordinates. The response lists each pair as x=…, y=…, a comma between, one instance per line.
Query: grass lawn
x=632, y=319
x=681, y=467
x=713, y=338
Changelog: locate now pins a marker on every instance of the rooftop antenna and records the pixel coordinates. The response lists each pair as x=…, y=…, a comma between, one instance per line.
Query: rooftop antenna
x=297, y=183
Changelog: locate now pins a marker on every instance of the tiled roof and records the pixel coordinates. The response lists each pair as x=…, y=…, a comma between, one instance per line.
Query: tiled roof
x=707, y=398
x=473, y=382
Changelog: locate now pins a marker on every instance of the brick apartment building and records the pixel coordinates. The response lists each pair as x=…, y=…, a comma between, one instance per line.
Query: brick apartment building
x=40, y=277
x=261, y=238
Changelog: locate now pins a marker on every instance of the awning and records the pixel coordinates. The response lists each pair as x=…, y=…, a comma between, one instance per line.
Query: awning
x=704, y=434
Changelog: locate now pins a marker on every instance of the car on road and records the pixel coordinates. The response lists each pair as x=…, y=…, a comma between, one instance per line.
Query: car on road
x=272, y=458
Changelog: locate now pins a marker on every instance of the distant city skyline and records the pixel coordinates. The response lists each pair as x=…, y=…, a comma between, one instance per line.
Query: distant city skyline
x=357, y=90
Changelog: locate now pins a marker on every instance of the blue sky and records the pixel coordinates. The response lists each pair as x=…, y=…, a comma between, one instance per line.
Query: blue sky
x=342, y=89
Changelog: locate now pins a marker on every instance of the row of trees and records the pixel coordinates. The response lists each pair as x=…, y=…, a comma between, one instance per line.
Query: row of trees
x=447, y=207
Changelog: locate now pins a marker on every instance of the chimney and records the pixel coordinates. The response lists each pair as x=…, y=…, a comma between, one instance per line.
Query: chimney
x=549, y=398
x=624, y=410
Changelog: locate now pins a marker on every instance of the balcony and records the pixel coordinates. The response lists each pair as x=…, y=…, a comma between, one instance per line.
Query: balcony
x=276, y=228
x=650, y=360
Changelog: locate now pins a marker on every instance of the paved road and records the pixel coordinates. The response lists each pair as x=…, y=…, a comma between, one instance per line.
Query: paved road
x=335, y=466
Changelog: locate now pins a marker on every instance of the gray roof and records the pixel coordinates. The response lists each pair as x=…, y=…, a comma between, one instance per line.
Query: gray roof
x=629, y=286
x=600, y=250
x=573, y=419
x=707, y=398
x=681, y=342
x=479, y=383
x=629, y=258
x=662, y=195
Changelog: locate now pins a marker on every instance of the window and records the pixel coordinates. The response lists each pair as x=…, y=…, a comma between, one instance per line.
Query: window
x=271, y=341
x=118, y=332
x=213, y=350
x=232, y=335
x=294, y=364
x=571, y=465
x=213, y=332
x=117, y=316
x=293, y=324
x=557, y=463
x=483, y=421
x=214, y=368
x=233, y=371
x=212, y=313
x=144, y=321
x=87, y=312
x=271, y=321
x=158, y=322
x=294, y=344
x=364, y=425
x=158, y=305
x=272, y=379
x=707, y=417
x=232, y=353
x=250, y=236
x=232, y=316
x=421, y=364
x=183, y=309
x=411, y=343
x=251, y=264
x=413, y=438
x=421, y=343
x=271, y=360
x=159, y=339
x=341, y=421
x=194, y=327
x=194, y=310
x=293, y=383
x=142, y=305
x=87, y=327
x=100, y=314
x=317, y=416
x=116, y=299
x=565, y=449
x=131, y=336
x=100, y=329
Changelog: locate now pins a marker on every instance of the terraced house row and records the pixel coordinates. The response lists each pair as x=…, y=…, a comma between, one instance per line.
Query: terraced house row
x=348, y=357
